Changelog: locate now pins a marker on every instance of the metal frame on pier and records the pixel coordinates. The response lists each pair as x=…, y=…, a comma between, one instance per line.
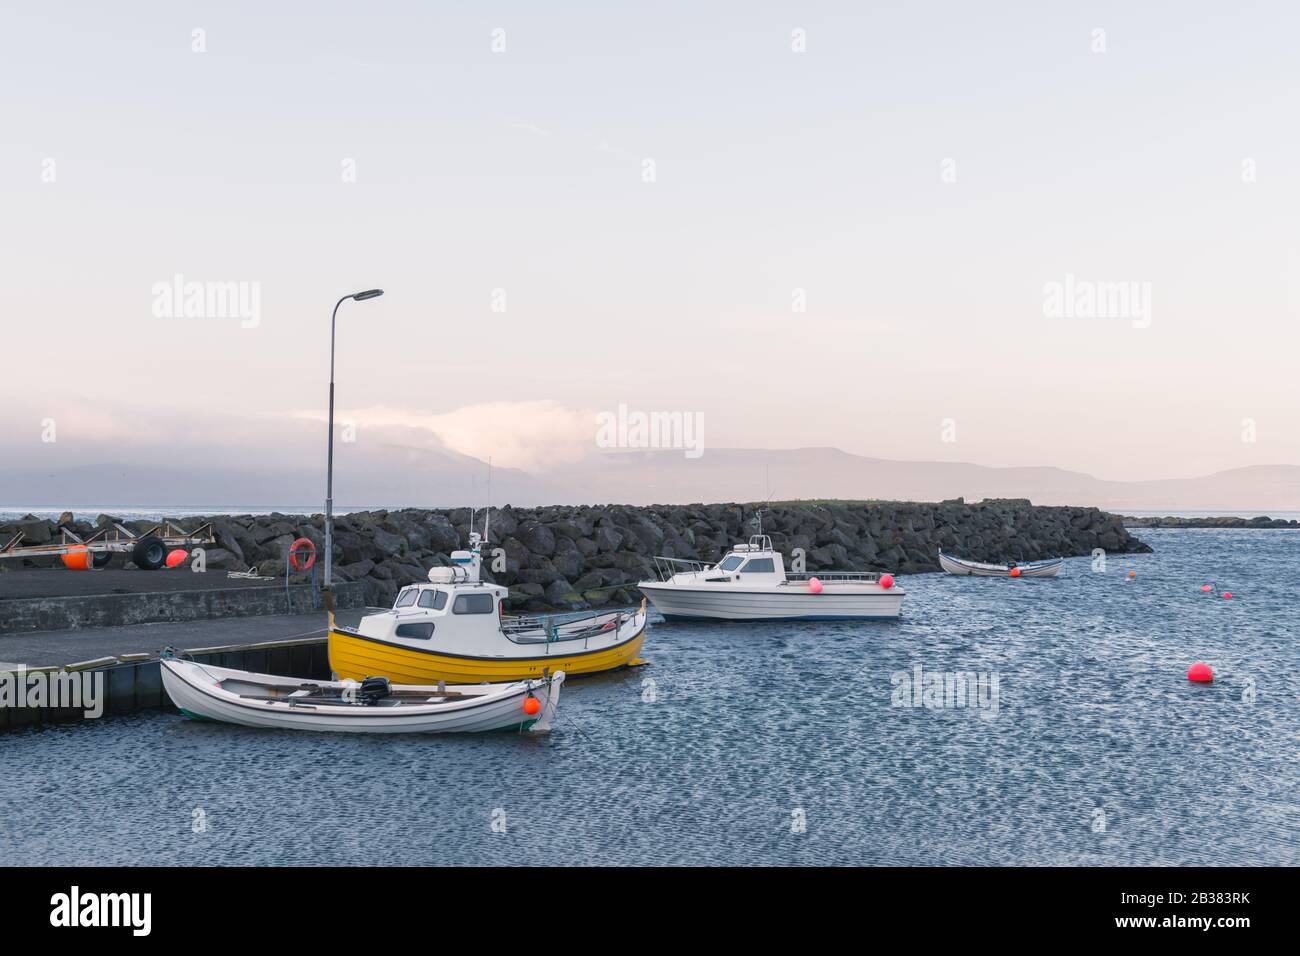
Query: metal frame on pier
x=110, y=538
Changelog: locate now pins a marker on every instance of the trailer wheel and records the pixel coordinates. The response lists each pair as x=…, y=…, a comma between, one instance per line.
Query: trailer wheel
x=100, y=559
x=149, y=554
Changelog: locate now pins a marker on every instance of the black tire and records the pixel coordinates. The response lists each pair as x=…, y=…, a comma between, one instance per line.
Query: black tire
x=100, y=559
x=149, y=554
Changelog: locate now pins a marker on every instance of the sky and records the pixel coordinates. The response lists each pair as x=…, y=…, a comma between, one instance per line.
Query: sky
x=816, y=224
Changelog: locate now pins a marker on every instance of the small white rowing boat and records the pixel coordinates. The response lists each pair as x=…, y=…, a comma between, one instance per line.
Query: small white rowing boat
x=207, y=692
x=1030, y=569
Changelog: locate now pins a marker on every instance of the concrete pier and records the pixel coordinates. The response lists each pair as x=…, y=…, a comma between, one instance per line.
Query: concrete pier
x=109, y=625
x=56, y=599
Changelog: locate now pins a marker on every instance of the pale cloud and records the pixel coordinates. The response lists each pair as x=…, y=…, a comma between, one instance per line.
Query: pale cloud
x=533, y=436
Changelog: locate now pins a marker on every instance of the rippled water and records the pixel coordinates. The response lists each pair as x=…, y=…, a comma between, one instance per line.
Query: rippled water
x=715, y=752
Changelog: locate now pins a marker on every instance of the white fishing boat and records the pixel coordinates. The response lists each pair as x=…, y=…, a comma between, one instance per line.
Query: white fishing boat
x=1029, y=569
x=374, y=706
x=751, y=584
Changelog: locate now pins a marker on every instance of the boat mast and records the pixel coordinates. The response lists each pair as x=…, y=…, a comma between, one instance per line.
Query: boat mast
x=487, y=519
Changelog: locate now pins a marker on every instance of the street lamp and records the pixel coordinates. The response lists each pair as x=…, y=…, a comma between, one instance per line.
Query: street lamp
x=329, y=466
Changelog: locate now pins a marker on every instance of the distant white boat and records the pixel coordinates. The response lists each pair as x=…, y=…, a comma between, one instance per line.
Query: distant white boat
x=1030, y=569
x=373, y=706
x=751, y=584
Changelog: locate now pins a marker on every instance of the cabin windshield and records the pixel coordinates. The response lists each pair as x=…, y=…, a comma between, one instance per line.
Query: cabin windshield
x=432, y=597
x=407, y=597
x=761, y=566
x=731, y=563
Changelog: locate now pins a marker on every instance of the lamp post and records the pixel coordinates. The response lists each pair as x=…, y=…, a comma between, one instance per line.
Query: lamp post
x=329, y=464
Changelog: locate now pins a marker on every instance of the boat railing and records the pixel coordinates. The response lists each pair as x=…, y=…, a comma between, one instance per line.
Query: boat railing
x=569, y=626
x=868, y=577
x=666, y=567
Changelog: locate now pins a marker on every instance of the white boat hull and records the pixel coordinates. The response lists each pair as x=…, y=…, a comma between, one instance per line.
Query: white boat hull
x=789, y=603
x=1035, y=569
x=195, y=689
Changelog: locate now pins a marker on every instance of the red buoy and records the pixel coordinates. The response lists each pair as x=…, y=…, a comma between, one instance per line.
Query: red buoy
x=1200, y=673
x=886, y=581
x=1227, y=595
x=532, y=706
x=815, y=585
x=1015, y=572
x=1207, y=588
x=177, y=557
x=77, y=558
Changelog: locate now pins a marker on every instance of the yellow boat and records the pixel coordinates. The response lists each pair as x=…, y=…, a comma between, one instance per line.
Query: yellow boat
x=454, y=629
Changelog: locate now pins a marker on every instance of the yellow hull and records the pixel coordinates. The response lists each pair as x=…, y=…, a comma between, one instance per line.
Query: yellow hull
x=353, y=657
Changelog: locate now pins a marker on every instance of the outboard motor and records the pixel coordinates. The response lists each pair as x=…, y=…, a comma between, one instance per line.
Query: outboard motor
x=373, y=690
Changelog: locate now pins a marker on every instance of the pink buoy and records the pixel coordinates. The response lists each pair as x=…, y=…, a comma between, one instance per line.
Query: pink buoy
x=815, y=586
x=1206, y=588
x=1227, y=595
x=886, y=581
x=1200, y=673
x=177, y=557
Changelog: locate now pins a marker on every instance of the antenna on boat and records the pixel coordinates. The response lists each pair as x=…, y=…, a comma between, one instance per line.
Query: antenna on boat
x=473, y=490
x=767, y=484
x=487, y=520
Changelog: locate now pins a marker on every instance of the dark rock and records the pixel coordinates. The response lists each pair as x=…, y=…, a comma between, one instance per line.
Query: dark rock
x=536, y=537
x=608, y=538
x=387, y=542
x=444, y=537
x=35, y=531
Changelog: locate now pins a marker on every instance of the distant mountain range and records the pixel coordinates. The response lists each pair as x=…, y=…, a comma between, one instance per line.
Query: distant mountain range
x=751, y=474
x=395, y=475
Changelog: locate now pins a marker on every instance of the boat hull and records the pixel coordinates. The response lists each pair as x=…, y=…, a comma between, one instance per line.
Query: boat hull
x=355, y=656
x=195, y=693
x=719, y=604
x=961, y=567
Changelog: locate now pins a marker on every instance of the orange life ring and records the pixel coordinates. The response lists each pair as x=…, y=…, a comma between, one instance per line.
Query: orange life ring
x=303, y=546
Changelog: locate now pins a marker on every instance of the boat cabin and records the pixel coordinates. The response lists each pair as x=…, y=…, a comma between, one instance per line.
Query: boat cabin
x=454, y=597
x=756, y=562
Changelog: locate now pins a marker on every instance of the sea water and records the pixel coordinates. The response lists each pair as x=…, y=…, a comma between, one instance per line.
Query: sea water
x=774, y=743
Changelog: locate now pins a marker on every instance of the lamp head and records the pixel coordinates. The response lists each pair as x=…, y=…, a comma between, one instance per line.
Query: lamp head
x=368, y=294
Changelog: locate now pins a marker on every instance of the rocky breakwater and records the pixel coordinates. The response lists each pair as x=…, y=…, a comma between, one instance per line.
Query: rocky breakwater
x=1229, y=521
x=572, y=557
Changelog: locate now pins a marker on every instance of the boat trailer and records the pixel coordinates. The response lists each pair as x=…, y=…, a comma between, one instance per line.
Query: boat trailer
x=148, y=549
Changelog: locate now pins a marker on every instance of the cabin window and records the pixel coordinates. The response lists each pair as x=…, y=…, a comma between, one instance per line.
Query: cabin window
x=432, y=597
x=407, y=597
x=473, y=604
x=760, y=566
x=732, y=562
x=423, y=631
